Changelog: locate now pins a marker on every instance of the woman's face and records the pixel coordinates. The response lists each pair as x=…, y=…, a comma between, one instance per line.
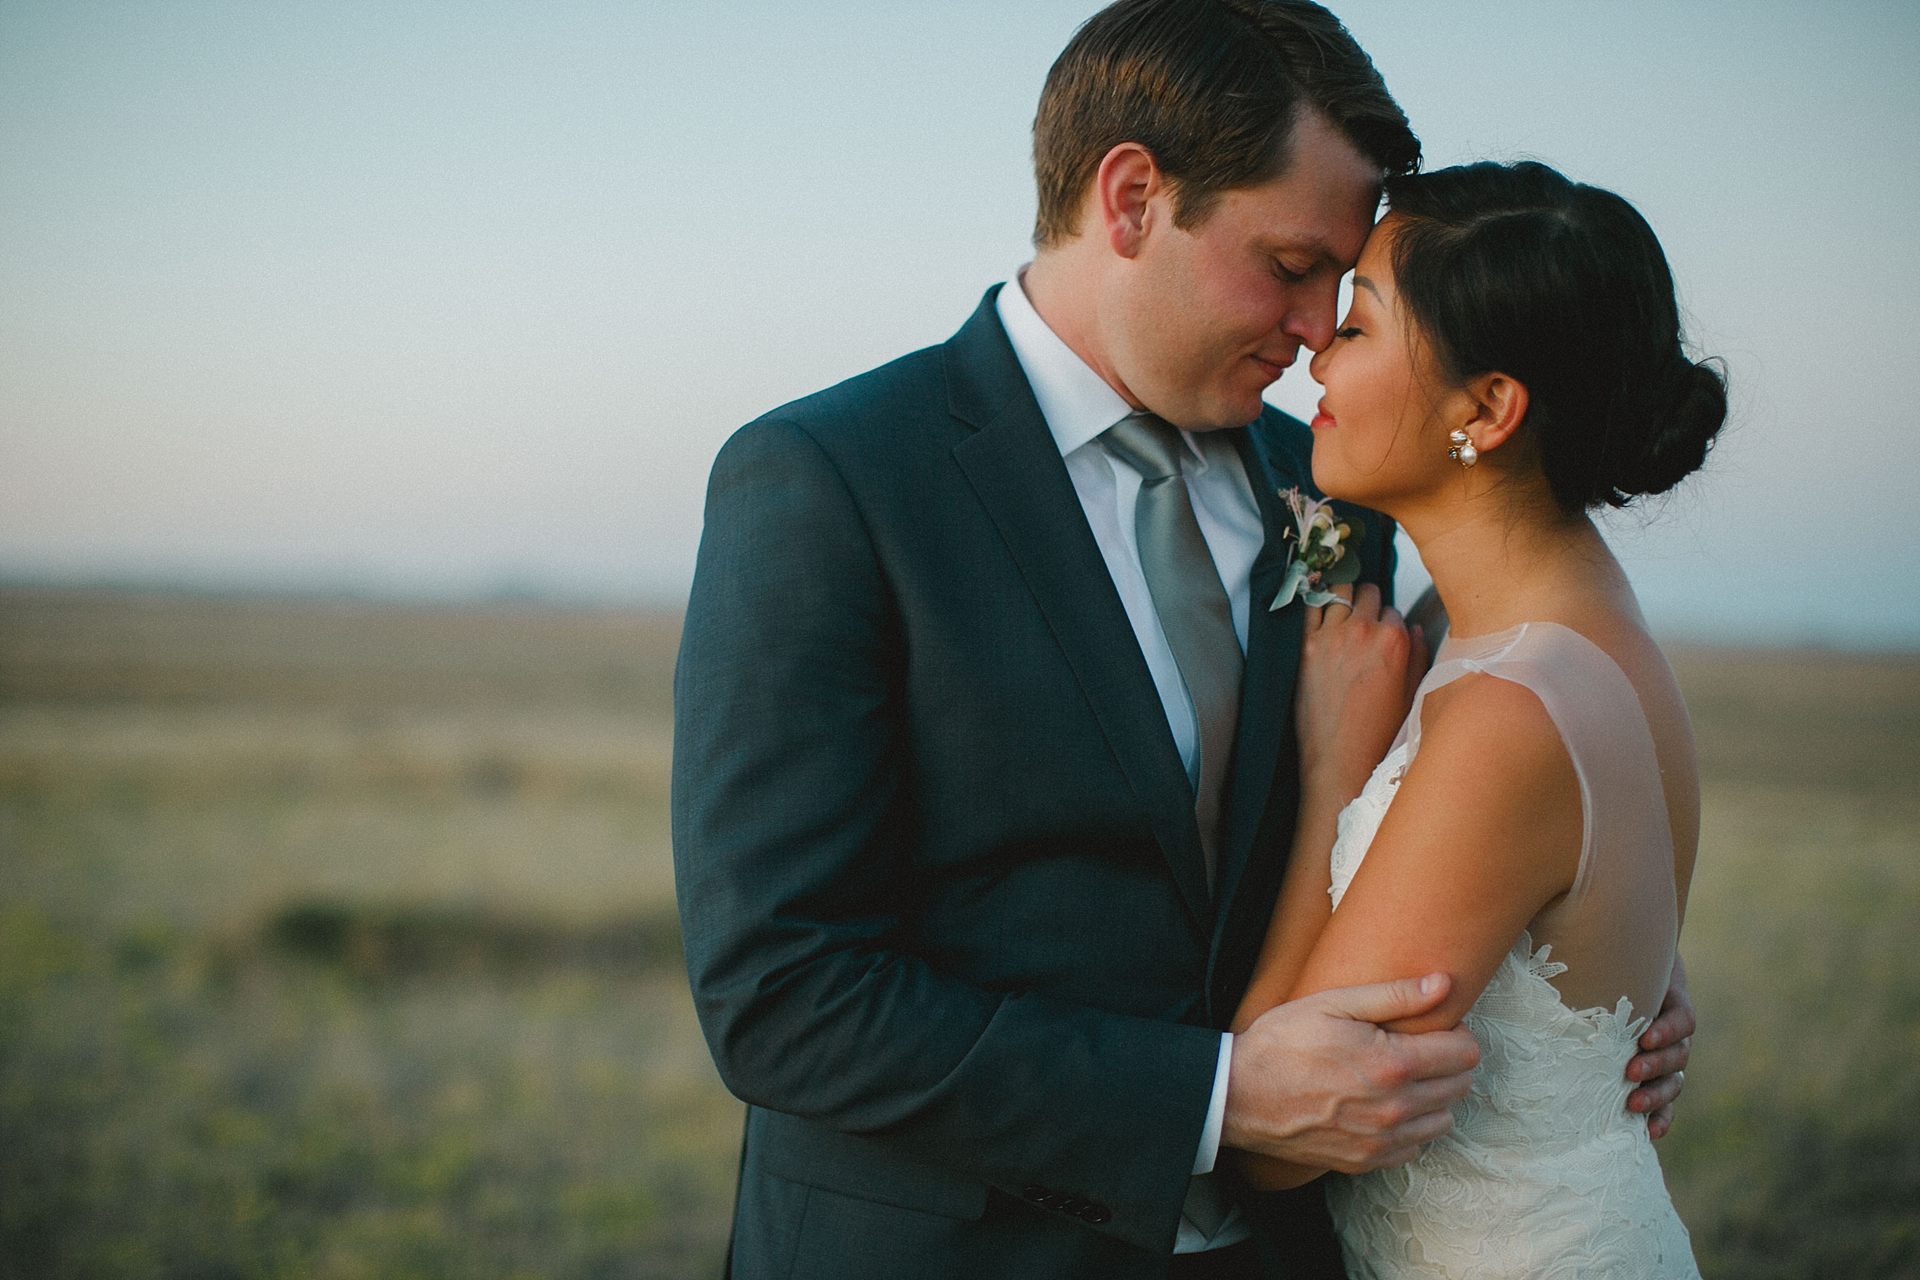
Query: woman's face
x=1377, y=439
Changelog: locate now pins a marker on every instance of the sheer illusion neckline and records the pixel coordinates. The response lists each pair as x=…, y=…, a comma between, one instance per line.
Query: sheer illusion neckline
x=1488, y=643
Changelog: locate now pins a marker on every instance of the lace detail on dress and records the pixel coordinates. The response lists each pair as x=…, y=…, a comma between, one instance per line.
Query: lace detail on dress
x=1545, y=1173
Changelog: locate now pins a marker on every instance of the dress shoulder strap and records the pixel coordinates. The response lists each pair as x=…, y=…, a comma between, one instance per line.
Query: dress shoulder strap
x=1601, y=722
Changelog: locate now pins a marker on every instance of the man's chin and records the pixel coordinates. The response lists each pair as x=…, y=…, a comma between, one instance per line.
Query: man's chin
x=1224, y=419
x=1243, y=409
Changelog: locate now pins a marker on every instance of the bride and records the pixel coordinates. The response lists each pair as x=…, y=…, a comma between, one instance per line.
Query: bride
x=1512, y=359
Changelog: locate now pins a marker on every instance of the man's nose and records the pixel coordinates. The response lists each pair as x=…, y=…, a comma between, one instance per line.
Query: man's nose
x=1312, y=318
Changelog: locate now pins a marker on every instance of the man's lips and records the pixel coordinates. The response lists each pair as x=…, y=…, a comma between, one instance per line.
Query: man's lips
x=1274, y=367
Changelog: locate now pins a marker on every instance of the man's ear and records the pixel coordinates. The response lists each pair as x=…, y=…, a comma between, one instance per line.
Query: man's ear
x=1125, y=185
x=1499, y=406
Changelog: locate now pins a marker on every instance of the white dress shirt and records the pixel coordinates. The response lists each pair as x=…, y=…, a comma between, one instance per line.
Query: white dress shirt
x=1078, y=406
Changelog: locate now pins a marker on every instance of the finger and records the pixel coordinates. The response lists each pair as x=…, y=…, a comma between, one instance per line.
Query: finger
x=1398, y=1145
x=1387, y=1160
x=1674, y=1024
x=1437, y=1055
x=1659, y=1122
x=1386, y=1001
x=1420, y=1130
x=1425, y=1097
x=1403, y=1142
x=1661, y=1062
x=1366, y=602
x=1655, y=1094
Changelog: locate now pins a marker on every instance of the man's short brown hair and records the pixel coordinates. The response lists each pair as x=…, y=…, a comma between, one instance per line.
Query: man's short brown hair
x=1211, y=88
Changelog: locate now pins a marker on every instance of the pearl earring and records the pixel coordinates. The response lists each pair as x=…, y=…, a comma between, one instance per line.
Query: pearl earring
x=1460, y=448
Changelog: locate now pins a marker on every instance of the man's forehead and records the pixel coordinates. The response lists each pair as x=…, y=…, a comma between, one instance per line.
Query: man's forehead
x=1322, y=240
x=1295, y=214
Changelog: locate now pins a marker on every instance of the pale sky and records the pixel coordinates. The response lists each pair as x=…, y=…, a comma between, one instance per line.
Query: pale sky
x=444, y=298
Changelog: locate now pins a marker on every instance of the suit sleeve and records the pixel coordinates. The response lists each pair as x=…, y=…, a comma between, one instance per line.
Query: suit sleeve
x=792, y=829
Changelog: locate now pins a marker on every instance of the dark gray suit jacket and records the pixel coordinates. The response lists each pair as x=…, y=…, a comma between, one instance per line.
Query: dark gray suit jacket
x=945, y=912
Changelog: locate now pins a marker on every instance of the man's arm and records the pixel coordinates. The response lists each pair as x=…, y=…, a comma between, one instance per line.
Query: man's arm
x=791, y=846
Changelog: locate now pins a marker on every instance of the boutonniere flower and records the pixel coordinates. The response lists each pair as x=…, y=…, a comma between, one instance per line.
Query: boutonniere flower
x=1319, y=558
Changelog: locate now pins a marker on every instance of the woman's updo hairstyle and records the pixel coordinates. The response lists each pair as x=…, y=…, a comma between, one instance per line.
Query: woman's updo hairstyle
x=1517, y=270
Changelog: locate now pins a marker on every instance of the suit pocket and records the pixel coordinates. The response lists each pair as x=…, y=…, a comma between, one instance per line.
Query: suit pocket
x=816, y=1156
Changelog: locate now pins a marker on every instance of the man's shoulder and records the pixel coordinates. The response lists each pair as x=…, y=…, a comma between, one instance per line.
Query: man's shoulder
x=913, y=383
x=907, y=404
x=877, y=412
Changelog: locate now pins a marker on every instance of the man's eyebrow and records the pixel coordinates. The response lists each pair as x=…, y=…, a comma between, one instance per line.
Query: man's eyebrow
x=1361, y=282
x=1313, y=247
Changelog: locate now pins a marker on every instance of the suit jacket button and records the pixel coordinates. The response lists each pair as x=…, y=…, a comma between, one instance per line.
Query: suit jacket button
x=1035, y=1193
x=1097, y=1214
x=1071, y=1204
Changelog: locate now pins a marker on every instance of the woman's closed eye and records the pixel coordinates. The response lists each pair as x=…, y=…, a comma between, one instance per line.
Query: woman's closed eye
x=1351, y=331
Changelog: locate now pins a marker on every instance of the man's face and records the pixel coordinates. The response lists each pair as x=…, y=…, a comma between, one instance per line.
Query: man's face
x=1206, y=319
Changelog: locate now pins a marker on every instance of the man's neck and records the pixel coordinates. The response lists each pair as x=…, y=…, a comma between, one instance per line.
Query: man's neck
x=1064, y=289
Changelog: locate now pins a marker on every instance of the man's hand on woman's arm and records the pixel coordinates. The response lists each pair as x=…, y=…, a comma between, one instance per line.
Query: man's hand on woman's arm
x=1316, y=1084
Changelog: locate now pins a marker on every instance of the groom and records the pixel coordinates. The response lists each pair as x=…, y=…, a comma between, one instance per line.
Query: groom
x=984, y=771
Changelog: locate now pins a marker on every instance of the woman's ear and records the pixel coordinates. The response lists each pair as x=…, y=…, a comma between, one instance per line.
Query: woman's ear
x=1499, y=406
x=1125, y=185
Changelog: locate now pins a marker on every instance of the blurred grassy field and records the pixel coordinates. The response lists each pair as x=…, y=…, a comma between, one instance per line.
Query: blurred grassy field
x=337, y=941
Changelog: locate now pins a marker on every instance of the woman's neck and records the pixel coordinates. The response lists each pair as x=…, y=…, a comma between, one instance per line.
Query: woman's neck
x=1498, y=563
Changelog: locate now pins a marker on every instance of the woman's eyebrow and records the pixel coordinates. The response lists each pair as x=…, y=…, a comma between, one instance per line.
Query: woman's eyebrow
x=1361, y=282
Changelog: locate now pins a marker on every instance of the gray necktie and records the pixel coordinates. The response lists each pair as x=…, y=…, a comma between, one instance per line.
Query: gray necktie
x=1193, y=606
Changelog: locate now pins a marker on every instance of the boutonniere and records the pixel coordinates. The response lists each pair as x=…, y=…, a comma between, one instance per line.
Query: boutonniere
x=1319, y=558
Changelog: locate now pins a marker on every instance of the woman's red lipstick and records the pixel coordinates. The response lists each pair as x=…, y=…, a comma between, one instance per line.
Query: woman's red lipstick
x=1322, y=418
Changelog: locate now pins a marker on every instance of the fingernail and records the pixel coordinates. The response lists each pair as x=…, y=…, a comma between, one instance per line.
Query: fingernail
x=1429, y=984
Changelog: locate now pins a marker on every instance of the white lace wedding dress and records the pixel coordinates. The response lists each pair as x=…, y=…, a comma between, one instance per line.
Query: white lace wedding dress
x=1545, y=1173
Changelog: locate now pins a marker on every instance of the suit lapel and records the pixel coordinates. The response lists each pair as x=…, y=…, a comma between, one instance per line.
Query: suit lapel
x=1018, y=475
x=1266, y=694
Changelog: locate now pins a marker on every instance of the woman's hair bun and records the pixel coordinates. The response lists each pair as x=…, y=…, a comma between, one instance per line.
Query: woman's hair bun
x=1678, y=433
x=1516, y=269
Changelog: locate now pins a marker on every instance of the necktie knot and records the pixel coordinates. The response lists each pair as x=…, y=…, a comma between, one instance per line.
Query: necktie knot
x=1150, y=445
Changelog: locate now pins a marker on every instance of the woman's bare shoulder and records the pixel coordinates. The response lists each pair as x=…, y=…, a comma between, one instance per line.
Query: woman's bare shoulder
x=1618, y=630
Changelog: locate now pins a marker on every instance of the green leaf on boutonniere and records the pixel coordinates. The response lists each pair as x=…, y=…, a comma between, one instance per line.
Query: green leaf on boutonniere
x=1322, y=554
x=1345, y=570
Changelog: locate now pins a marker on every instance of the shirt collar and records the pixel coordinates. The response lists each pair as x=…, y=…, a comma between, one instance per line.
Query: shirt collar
x=1076, y=402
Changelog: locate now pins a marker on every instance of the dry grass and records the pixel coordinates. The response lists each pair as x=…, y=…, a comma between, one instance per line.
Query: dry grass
x=1797, y=1153
x=336, y=941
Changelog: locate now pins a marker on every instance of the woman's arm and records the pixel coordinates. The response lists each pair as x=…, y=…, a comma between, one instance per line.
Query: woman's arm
x=1359, y=667
x=1485, y=831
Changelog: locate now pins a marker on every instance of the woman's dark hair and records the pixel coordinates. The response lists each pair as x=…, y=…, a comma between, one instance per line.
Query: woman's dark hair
x=1517, y=270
